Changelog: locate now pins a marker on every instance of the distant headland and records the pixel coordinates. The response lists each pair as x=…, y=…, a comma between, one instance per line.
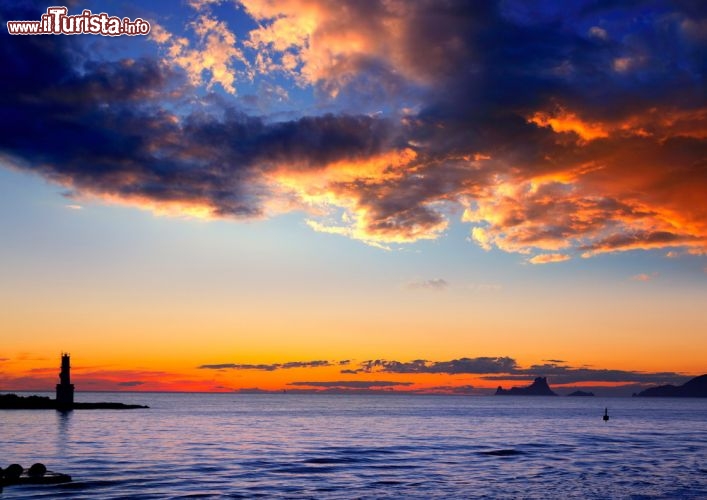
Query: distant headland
x=581, y=394
x=64, y=397
x=538, y=388
x=694, y=388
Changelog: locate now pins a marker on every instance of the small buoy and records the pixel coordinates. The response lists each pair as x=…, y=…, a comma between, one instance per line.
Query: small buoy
x=606, y=414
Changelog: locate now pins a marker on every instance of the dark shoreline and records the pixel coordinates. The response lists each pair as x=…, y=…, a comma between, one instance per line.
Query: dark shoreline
x=15, y=402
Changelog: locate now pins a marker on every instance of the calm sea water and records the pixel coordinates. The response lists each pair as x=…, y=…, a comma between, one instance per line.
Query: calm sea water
x=341, y=446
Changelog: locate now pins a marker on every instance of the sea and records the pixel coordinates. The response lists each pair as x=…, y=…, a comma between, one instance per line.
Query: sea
x=342, y=446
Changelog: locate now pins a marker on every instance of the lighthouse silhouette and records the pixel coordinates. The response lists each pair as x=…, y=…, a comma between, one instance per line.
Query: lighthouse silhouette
x=65, y=389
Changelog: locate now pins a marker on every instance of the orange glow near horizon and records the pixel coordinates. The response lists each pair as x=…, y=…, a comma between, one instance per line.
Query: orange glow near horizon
x=31, y=373
x=119, y=336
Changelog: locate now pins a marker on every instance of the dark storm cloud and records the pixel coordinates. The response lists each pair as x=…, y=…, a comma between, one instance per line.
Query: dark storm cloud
x=104, y=128
x=527, y=63
x=510, y=62
x=594, y=100
x=597, y=106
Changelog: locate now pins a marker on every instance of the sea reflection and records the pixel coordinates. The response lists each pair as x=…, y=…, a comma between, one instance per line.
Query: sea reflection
x=63, y=426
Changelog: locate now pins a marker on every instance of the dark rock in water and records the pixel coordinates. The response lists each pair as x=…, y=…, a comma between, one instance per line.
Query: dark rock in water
x=37, y=470
x=48, y=477
x=12, y=472
x=695, y=388
x=582, y=394
x=538, y=388
x=15, y=402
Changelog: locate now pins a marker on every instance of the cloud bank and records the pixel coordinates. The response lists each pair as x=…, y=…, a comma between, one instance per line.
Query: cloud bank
x=506, y=368
x=267, y=367
x=484, y=367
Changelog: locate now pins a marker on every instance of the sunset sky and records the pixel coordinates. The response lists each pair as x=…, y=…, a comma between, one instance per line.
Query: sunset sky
x=426, y=196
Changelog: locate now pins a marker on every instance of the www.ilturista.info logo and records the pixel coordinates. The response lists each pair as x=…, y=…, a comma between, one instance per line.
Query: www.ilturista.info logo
x=57, y=22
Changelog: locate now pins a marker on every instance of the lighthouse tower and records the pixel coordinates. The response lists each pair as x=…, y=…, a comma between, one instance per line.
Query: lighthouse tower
x=65, y=389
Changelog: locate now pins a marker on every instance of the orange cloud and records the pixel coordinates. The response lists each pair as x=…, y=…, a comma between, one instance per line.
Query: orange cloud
x=549, y=257
x=330, y=43
x=565, y=121
x=186, y=209
x=522, y=217
x=212, y=61
x=356, y=187
x=636, y=187
x=657, y=122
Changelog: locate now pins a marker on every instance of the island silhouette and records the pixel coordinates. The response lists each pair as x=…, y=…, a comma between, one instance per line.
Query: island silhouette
x=64, y=397
x=581, y=394
x=693, y=388
x=539, y=387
